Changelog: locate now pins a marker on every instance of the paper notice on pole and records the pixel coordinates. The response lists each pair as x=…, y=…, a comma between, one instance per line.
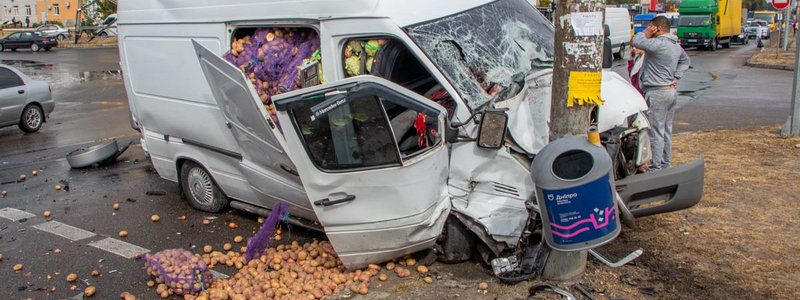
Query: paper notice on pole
x=584, y=88
x=587, y=23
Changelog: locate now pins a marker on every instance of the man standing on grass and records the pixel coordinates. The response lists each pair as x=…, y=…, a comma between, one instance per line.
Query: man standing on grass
x=664, y=63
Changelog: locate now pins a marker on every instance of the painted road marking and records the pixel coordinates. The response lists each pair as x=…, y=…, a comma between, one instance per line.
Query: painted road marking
x=64, y=230
x=218, y=275
x=126, y=250
x=14, y=214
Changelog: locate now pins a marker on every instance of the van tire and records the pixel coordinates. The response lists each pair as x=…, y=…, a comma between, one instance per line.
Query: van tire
x=200, y=190
x=456, y=244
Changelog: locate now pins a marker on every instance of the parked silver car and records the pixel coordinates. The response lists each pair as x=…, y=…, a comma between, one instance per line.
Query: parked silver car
x=23, y=101
x=55, y=31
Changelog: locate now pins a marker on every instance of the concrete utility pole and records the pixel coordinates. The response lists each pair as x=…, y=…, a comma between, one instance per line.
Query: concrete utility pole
x=577, y=71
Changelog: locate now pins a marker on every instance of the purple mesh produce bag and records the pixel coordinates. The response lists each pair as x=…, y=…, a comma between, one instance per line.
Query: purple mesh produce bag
x=257, y=244
x=275, y=61
x=163, y=265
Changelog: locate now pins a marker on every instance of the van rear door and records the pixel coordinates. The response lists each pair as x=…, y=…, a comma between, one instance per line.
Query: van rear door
x=376, y=177
x=265, y=164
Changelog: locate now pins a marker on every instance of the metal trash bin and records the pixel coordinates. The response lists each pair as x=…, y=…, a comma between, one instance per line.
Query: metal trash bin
x=575, y=192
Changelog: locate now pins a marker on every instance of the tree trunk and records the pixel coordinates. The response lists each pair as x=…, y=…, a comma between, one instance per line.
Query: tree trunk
x=572, y=53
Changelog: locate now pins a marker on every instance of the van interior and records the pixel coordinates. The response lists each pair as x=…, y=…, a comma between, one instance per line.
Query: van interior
x=276, y=60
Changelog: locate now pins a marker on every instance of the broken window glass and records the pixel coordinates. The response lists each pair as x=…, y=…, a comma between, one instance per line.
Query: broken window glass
x=487, y=51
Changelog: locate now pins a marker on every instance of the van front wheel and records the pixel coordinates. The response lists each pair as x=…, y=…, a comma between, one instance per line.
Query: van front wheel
x=200, y=189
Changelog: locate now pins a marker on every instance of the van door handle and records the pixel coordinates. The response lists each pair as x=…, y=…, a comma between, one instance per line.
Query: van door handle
x=329, y=202
x=21, y=92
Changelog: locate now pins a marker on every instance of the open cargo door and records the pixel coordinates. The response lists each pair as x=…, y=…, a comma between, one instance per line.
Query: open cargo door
x=265, y=164
x=376, y=177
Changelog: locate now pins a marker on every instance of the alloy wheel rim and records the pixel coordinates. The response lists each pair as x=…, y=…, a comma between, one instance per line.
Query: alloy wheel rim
x=201, y=186
x=33, y=118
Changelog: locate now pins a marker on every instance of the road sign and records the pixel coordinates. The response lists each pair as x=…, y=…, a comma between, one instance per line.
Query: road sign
x=780, y=4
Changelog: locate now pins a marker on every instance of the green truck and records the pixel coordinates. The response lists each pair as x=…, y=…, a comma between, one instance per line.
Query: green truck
x=709, y=23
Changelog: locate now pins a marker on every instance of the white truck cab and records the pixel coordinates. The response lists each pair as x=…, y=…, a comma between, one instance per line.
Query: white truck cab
x=392, y=154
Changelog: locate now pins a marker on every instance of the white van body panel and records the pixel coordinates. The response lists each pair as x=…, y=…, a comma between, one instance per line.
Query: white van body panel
x=619, y=22
x=403, y=13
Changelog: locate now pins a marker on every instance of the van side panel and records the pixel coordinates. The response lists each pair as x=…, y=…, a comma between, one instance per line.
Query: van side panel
x=224, y=169
x=167, y=86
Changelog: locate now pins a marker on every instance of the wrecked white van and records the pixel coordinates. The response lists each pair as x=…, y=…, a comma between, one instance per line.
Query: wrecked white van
x=421, y=133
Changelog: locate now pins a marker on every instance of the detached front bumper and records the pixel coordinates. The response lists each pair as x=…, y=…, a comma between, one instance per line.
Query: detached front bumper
x=663, y=191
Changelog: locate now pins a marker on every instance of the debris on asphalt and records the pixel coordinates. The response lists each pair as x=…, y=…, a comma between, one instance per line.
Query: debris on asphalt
x=182, y=271
x=17, y=267
x=1, y=257
x=428, y=280
x=35, y=173
x=155, y=193
x=64, y=185
x=123, y=233
x=409, y=262
x=58, y=187
x=72, y=277
x=102, y=153
x=232, y=225
x=207, y=248
x=95, y=273
x=22, y=177
x=3, y=193
x=89, y=291
x=227, y=247
x=130, y=200
x=182, y=218
x=206, y=221
x=46, y=214
x=127, y=296
x=483, y=286
x=422, y=269
x=155, y=218
x=57, y=251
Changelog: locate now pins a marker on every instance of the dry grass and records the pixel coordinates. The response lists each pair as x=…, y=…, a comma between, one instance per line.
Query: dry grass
x=740, y=242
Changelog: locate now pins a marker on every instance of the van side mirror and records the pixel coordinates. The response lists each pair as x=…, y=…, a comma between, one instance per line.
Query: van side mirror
x=492, y=133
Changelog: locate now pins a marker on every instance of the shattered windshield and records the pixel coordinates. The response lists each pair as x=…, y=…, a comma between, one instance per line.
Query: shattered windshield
x=487, y=51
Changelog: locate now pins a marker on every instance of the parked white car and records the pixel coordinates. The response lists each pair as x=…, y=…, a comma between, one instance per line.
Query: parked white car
x=55, y=31
x=23, y=101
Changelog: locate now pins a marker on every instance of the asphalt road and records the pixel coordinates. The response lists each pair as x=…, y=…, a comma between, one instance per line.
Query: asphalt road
x=719, y=92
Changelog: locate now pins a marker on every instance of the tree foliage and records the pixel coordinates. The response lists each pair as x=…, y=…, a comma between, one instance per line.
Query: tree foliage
x=753, y=5
x=105, y=8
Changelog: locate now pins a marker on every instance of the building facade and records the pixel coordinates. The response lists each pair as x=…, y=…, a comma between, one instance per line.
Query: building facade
x=63, y=11
x=18, y=10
